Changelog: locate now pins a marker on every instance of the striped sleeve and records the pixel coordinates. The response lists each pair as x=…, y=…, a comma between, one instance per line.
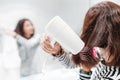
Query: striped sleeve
x=65, y=59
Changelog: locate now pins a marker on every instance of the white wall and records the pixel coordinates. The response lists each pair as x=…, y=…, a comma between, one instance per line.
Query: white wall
x=39, y=11
x=73, y=12
x=92, y=2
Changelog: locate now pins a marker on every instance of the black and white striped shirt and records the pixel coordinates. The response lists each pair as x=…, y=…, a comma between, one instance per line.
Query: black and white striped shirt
x=65, y=60
x=103, y=72
x=100, y=72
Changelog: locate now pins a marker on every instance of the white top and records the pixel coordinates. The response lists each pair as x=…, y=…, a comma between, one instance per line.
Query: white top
x=9, y=54
x=27, y=50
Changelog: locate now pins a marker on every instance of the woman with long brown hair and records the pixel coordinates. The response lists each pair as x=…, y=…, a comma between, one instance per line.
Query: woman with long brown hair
x=101, y=29
x=27, y=42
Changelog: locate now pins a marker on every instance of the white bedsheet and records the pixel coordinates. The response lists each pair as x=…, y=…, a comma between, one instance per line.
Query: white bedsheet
x=60, y=74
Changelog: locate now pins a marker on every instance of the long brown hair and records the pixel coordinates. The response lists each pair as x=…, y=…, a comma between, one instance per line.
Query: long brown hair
x=101, y=29
x=20, y=25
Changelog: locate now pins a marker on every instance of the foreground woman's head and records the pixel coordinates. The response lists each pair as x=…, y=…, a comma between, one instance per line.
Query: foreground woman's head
x=101, y=29
x=25, y=28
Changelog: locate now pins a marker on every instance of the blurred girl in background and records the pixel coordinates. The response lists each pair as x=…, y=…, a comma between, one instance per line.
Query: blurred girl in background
x=28, y=43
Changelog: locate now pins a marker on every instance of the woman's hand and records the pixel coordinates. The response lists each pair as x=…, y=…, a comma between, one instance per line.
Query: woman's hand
x=9, y=32
x=46, y=46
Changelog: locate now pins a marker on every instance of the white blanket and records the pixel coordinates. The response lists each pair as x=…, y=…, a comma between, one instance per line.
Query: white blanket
x=9, y=59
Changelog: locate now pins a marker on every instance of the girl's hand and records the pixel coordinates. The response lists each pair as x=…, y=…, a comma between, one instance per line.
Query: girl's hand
x=46, y=46
x=9, y=32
